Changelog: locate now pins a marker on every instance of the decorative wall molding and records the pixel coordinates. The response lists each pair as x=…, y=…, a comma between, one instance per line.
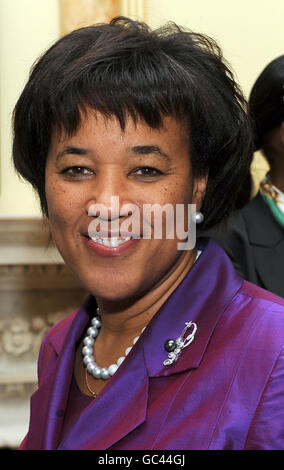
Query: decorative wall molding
x=26, y=277
x=18, y=390
x=20, y=336
x=20, y=341
x=79, y=13
x=135, y=9
x=36, y=291
x=26, y=240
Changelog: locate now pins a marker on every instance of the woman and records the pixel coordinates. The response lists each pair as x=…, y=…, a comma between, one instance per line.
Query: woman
x=254, y=235
x=172, y=349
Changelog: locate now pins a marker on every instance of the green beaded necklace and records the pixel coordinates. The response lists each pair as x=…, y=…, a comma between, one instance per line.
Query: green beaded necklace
x=278, y=214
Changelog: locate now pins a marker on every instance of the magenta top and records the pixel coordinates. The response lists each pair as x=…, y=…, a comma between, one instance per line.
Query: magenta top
x=77, y=403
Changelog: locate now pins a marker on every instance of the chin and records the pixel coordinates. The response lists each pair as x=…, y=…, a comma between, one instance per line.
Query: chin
x=110, y=288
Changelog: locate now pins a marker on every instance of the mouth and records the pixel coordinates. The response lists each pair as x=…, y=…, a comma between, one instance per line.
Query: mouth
x=108, y=246
x=112, y=242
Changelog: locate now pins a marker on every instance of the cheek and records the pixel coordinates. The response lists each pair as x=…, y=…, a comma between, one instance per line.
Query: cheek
x=180, y=196
x=61, y=204
x=169, y=215
x=180, y=192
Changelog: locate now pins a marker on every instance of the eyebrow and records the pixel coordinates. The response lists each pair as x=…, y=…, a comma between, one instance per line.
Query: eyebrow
x=69, y=150
x=148, y=149
x=137, y=150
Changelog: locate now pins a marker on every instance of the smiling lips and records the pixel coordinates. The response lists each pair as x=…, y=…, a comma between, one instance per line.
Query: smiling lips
x=111, y=242
x=111, y=246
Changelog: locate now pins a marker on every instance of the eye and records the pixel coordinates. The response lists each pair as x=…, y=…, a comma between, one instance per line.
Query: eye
x=77, y=172
x=147, y=172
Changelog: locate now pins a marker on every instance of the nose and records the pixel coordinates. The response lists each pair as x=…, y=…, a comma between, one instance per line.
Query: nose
x=109, y=198
x=105, y=212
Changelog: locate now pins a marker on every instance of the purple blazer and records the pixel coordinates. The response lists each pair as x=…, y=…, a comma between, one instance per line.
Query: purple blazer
x=226, y=390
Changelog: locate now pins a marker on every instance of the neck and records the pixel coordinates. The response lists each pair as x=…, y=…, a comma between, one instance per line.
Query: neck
x=129, y=317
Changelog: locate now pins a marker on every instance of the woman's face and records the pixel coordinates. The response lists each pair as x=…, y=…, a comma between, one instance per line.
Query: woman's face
x=139, y=166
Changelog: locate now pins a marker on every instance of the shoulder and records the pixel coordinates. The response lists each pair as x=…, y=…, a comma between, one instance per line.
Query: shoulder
x=240, y=220
x=52, y=344
x=255, y=210
x=262, y=312
x=253, y=216
x=264, y=366
x=255, y=202
x=70, y=325
x=255, y=292
x=61, y=328
x=247, y=229
x=57, y=333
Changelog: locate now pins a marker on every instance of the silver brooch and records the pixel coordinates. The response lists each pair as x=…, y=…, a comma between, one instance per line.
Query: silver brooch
x=175, y=347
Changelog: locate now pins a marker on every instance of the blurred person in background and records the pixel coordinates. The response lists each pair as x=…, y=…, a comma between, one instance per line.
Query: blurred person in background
x=254, y=235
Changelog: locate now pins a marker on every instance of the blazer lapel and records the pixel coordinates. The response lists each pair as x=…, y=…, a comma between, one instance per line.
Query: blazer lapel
x=202, y=298
x=49, y=401
x=118, y=409
x=267, y=245
x=269, y=262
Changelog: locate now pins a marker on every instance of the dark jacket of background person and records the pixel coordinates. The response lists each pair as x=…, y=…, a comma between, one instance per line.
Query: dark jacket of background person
x=254, y=241
x=254, y=235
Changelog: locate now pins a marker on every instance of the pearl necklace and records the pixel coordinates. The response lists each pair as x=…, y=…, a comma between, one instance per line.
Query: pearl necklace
x=88, y=357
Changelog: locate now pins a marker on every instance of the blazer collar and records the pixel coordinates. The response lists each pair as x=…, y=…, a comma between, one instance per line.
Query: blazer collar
x=50, y=399
x=79, y=321
x=65, y=348
x=267, y=244
x=109, y=406
x=119, y=409
x=259, y=216
x=202, y=298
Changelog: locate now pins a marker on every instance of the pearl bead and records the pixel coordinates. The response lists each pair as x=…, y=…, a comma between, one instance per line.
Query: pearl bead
x=91, y=367
x=88, y=359
x=170, y=345
x=136, y=339
x=92, y=331
x=96, y=322
x=112, y=369
x=120, y=360
x=88, y=341
x=87, y=351
x=104, y=373
x=199, y=217
x=96, y=372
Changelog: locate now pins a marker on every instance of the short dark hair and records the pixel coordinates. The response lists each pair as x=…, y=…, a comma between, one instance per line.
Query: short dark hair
x=266, y=101
x=124, y=68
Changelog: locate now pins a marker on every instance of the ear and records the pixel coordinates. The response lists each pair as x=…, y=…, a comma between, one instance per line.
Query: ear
x=199, y=190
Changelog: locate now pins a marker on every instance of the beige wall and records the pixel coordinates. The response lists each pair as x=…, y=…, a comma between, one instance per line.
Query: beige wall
x=27, y=28
x=249, y=31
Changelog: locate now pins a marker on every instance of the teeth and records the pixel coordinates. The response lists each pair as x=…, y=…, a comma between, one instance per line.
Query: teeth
x=111, y=242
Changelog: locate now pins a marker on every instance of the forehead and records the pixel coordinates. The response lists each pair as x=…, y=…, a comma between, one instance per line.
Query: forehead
x=97, y=129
